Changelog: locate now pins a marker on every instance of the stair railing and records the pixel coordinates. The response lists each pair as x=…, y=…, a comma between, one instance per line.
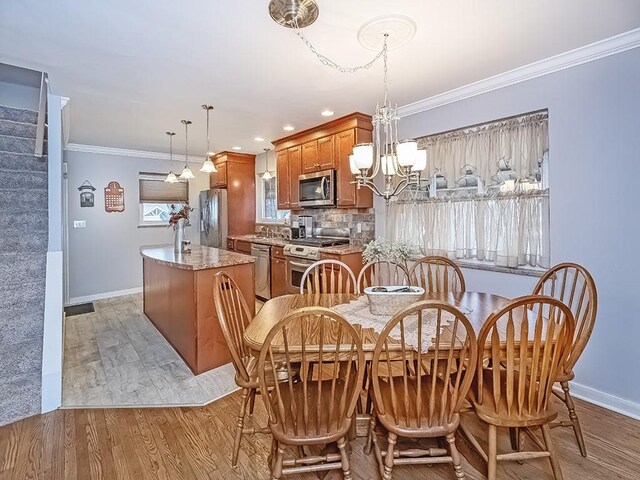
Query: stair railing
x=42, y=115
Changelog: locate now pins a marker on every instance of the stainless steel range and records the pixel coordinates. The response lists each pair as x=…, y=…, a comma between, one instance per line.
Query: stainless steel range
x=303, y=252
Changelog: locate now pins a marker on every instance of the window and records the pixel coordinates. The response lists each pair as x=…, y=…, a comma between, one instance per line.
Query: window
x=266, y=195
x=487, y=198
x=157, y=197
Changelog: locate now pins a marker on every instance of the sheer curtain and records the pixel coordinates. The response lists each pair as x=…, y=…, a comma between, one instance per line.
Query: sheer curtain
x=506, y=228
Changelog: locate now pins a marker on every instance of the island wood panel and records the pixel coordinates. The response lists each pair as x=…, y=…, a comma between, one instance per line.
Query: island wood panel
x=179, y=302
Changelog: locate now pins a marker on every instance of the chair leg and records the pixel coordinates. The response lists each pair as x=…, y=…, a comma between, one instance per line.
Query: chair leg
x=514, y=435
x=344, y=456
x=388, y=459
x=370, y=434
x=577, y=430
x=277, y=466
x=455, y=456
x=239, y=427
x=492, y=454
x=252, y=400
x=553, y=458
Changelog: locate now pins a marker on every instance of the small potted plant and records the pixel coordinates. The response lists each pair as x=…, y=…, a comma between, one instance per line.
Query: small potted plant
x=178, y=220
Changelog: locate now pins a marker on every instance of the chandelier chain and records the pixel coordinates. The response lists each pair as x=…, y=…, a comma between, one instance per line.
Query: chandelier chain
x=330, y=63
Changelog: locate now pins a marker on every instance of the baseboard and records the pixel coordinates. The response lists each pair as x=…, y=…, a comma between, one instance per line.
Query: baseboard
x=101, y=296
x=606, y=400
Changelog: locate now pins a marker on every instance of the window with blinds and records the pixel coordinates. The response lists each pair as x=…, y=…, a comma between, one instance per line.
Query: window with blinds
x=157, y=197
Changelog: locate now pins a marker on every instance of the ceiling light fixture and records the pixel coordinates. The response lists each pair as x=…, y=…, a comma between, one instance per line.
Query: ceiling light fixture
x=186, y=174
x=171, y=178
x=208, y=166
x=288, y=128
x=399, y=161
x=236, y=148
x=326, y=113
x=266, y=175
x=259, y=139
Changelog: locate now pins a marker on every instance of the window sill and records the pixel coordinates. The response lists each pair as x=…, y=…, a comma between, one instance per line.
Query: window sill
x=154, y=226
x=524, y=270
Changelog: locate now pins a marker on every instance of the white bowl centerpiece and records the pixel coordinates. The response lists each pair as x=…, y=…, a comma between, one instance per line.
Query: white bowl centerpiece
x=391, y=299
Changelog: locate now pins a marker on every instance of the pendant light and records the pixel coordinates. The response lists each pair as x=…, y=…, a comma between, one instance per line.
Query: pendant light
x=208, y=166
x=266, y=175
x=186, y=171
x=171, y=178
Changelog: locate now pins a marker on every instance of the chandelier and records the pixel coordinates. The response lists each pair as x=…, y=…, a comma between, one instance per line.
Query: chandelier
x=401, y=162
x=186, y=174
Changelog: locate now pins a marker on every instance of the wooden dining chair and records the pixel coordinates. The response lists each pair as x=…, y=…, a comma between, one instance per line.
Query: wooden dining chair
x=328, y=276
x=573, y=285
x=522, y=350
x=234, y=316
x=438, y=275
x=382, y=273
x=307, y=407
x=424, y=399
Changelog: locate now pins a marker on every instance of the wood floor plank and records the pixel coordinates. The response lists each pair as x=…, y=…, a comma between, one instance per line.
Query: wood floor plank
x=195, y=443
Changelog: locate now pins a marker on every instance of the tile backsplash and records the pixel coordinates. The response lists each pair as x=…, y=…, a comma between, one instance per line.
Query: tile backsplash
x=337, y=218
x=344, y=218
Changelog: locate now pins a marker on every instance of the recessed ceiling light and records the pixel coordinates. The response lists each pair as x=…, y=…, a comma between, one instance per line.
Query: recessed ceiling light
x=327, y=113
x=288, y=128
x=259, y=139
x=236, y=148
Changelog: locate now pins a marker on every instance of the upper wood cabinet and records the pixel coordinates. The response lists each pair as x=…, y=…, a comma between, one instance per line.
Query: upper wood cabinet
x=283, y=180
x=326, y=147
x=237, y=174
x=295, y=165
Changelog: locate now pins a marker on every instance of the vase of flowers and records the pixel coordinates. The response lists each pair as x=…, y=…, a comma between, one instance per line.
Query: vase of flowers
x=179, y=219
x=381, y=250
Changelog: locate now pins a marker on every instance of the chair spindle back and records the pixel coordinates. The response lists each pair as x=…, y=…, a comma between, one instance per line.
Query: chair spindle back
x=523, y=348
x=438, y=275
x=321, y=354
x=382, y=273
x=328, y=276
x=573, y=285
x=439, y=377
x=234, y=316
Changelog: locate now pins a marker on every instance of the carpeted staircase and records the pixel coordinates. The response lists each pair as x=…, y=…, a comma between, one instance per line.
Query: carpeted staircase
x=23, y=256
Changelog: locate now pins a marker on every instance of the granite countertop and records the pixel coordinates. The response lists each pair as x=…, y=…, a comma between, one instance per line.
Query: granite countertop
x=200, y=258
x=281, y=242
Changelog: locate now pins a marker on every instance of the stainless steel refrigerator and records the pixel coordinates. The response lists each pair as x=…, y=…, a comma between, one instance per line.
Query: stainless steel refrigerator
x=213, y=218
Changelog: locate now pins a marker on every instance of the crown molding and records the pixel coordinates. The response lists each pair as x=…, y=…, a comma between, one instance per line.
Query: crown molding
x=588, y=53
x=123, y=152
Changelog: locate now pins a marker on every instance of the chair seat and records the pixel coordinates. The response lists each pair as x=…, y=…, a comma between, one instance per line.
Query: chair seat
x=407, y=421
x=292, y=431
x=251, y=365
x=500, y=415
x=566, y=377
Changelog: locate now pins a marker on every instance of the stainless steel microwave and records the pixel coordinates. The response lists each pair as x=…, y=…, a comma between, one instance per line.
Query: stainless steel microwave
x=317, y=189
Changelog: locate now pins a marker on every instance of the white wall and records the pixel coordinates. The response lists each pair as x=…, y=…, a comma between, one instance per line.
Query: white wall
x=594, y=170
x=104, y=257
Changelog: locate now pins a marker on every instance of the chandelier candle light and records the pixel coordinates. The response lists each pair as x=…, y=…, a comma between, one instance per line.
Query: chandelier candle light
x=186, y=171
x=401, y=162
x=208, y=166
x=171, y=178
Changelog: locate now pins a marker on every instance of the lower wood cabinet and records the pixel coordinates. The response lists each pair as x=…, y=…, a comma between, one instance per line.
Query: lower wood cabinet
x=243, y=246
x=278, y=277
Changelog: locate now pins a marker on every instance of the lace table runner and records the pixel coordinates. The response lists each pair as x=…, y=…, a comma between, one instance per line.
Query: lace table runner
x=357, y=311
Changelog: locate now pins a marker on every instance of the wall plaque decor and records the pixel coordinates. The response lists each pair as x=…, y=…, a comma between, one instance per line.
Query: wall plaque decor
x=114, y=197
x=86, y=194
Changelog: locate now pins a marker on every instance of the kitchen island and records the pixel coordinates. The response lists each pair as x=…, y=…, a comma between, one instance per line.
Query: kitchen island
x=178, y=299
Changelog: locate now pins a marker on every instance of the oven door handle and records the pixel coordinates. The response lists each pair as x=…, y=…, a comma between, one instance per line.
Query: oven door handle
x=301, y=265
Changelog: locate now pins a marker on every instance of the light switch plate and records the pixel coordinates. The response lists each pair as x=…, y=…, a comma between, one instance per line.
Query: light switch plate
x=79, y=224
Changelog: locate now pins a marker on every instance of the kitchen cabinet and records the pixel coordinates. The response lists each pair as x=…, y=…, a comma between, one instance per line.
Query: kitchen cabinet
x=237, y=174
x=278, y=272
x=325, y=147
x=283, y=180
x=352, y=260
x=231, y=245
x=242, y=246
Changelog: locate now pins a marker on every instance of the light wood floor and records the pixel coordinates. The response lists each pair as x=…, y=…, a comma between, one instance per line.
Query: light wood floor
x=195, y=443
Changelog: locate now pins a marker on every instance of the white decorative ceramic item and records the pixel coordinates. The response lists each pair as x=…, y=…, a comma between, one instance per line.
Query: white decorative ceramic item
x=392, y=301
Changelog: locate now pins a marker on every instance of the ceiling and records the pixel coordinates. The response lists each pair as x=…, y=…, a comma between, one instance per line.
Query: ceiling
x=133, y=69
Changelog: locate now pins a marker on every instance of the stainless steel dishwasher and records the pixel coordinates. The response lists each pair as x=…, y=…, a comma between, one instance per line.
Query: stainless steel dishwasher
x=263, y=270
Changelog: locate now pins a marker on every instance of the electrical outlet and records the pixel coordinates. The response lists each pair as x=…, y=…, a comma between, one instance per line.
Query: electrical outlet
x=79, y=224
x=359, y=227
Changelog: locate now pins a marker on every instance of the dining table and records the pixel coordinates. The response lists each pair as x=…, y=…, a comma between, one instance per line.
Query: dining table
x=476, y=306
